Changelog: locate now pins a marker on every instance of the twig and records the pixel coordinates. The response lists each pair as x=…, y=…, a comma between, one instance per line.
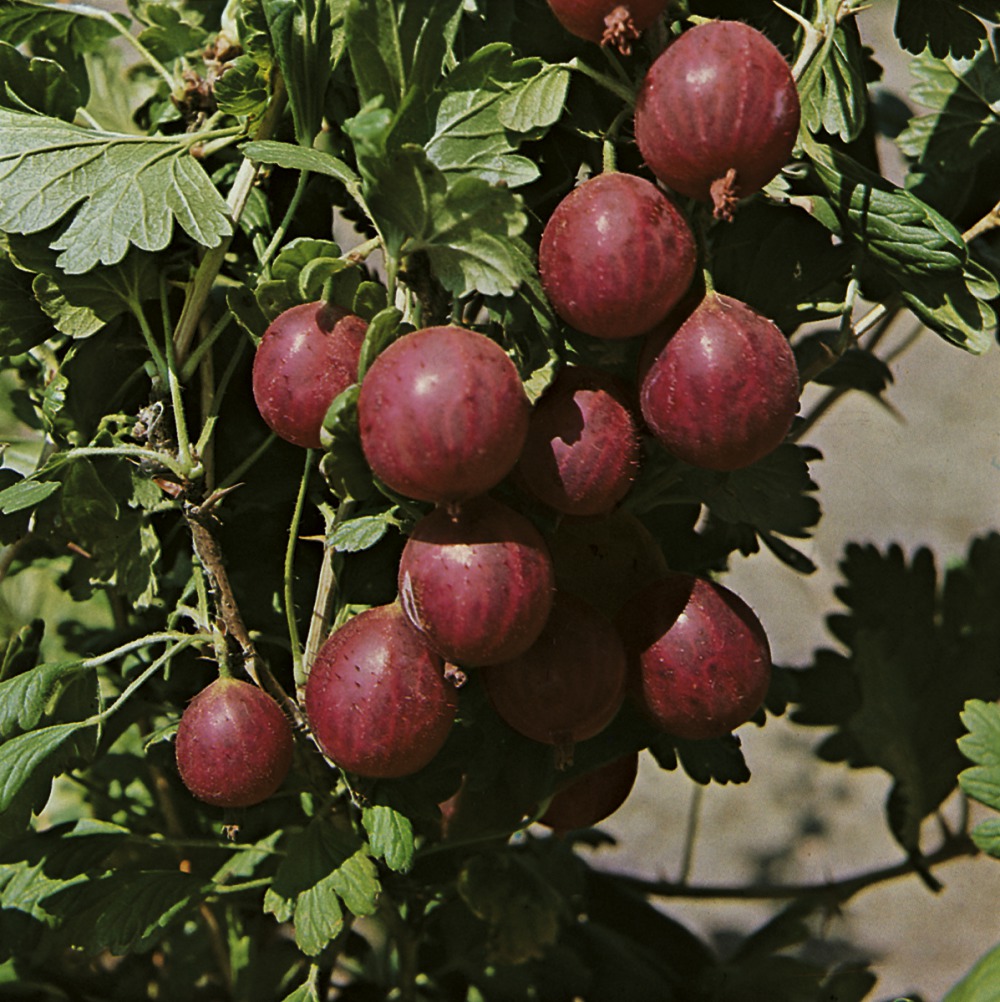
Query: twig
x=200, y=521
x=989, y=222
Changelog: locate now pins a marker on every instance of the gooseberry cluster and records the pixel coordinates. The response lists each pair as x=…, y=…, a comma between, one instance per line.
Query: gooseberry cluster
x=560, y=626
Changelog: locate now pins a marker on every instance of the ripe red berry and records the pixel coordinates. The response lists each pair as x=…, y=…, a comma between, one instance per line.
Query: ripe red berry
x=616, y=256
x=608, y=22
x=719, y=386
x=477, y=583
x=718, y=114
x=700, y=663
x=593, y=797
x=582, y=452
x=443, y=414
x=568, y=685
x=376, y=699
x=306, y=358
x=234, y=745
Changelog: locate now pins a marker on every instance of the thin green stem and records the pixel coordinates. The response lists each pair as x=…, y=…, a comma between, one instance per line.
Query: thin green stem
x=131, y=451
x=217, y=397
x=154, y=349
x=279, y=234
x=211, y=263
x=133, y=645
x=173, y=382
x=102, y=15
x=247, y=885
x=236, y=475
x=193, y=360
x=608, y=83
x=139, y=680
x=293, y=532
x=609, y=156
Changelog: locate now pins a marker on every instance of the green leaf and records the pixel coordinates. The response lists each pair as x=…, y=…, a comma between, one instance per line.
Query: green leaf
x=68, y=32
x=946, y=26
x=782, y=262
x=27, y=764
x=114, y=542
x=308, y=39
x=521, y=909
x=304, y=993
x=344, y=465
x=773, y=494
x=356, y=881
x=40, y=86
x=920, y=250
x=23, y=324
x=362, y=533
x=398, y=48
x=469, y=229
x=167, y=34
x=958, y=306
x=126, y=911
x=390, y=836
x=963, y=127
x=466, y=130
x=981, y=983
x=982, y=780
x=321, y=864
x=300, y=273
x=121, y=191
x=26, y=698
x=716, y=760
x=986, y=836
x=538, y=103
x=891, y=225
x=266, y=151
x=383, y=329
x=81, y=305
x=242, y=89
x=837, y=101
x=917, y=654
x=253, y=34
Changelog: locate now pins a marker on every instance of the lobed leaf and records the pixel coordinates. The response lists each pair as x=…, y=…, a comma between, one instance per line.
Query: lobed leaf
x=963, y=126
x=837, y=102
x=323, y=867
x=916, y=654
x=38, y=86
x=242, y=89
x=945, y=26
x=168, y=34
x=81, y=305
x=120, y=190
x=920, y=250
x=308, y=38
x=390, y=836
x=469, y=229
x=398, y=49
x=479, y=115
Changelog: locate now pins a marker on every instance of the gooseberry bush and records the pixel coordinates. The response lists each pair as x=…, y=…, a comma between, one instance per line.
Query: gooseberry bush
x=388, y=389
